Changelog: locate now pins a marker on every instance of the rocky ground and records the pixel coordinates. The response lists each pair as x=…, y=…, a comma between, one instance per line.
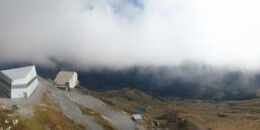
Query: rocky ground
x=68, y=103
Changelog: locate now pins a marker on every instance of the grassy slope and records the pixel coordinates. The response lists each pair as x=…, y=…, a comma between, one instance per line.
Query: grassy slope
x=97, y=116
x=232, y=115
x=134, y=101
x=128, y=99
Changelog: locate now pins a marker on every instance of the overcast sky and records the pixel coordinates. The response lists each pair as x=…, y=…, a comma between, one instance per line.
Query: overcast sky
x=123, y=33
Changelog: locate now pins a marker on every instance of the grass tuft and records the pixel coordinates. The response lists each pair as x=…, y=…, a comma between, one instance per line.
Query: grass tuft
x=97, y=116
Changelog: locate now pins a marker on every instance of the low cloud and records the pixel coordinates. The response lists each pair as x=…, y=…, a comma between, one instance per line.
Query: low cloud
x=123, y=33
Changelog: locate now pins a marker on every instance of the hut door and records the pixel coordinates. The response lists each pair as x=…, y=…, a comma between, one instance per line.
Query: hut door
x=67, y=84
x=25, y=94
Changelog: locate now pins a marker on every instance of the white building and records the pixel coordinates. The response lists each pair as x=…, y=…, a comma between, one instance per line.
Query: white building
x=137, y=118
x=67, y=79
x=19, y=82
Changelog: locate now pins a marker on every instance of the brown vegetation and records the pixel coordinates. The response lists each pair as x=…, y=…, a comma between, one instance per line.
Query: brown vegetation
x=47, y=115
x=97, y=116
x=231, y=115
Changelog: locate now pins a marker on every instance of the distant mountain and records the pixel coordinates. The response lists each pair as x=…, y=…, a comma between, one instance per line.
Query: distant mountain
x=192, y=82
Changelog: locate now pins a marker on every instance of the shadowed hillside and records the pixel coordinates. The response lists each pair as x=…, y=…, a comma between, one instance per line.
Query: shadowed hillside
x=190, y=82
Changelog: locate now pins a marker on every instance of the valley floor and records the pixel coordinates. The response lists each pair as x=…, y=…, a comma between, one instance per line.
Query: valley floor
x=186, y=114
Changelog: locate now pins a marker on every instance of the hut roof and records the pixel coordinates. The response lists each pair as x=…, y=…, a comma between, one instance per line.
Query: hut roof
x=18, y=73
x=64, y=76
x=137, y=117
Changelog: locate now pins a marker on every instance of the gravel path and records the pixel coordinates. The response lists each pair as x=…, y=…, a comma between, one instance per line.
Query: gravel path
x=71, y=110
x=120, y=120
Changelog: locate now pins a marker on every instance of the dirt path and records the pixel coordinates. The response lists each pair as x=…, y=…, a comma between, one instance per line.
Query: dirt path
x=71, y=110
x=120, y=120
x=68, y=100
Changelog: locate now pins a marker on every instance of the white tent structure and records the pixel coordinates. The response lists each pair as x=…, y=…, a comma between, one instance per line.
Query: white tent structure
x=67, y=79
x=19, y=82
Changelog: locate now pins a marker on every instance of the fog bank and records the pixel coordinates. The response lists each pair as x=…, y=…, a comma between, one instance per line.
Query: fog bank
x=114, y=34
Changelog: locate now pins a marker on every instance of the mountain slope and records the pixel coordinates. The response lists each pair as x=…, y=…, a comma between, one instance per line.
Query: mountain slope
x=53, y=108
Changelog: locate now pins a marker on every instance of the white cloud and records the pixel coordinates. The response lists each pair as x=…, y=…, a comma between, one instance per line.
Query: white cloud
x=95, y=33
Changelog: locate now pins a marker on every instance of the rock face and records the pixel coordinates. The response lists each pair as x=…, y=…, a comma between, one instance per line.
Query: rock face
x=68, y=104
